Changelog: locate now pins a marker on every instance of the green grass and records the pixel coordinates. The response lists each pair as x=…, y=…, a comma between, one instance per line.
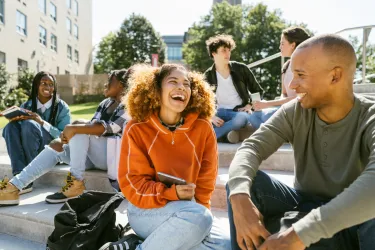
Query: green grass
x=79, y=111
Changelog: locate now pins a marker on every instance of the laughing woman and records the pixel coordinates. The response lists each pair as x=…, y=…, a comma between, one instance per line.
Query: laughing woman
x=26, y=136
x=170, y=133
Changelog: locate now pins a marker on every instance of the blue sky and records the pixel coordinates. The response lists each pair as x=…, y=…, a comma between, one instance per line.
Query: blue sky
x=174, y=17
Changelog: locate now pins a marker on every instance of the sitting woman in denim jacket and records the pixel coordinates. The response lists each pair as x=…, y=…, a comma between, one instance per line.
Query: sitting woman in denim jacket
x=26, y=136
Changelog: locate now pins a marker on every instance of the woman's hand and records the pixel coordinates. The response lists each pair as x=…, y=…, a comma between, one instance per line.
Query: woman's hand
x=68, y=133
x=34, y=116
x=185, y=192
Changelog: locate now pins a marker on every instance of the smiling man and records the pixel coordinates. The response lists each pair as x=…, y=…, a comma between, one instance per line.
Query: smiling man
x=332, y=134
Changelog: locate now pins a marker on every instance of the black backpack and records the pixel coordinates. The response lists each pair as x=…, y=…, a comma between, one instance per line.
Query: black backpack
x=86, y=222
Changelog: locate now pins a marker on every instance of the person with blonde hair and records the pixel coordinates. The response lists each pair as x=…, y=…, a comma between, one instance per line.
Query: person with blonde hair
x=170, y=132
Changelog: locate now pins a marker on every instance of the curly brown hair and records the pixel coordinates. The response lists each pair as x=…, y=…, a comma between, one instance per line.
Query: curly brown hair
x=144, y=96
x=215, y=42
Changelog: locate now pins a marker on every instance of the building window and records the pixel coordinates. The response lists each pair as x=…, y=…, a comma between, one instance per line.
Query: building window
x=69, y=51
x=22, y=64
x=42, y=6
x=174, y=53
x=42, y=36
x=21, y=23
x=53, y=11
x=1, y=11
x=2, y=58
x=75, y=31
x=53, y=42
x=69, y=25
x=76, y=56
x=69, y=4
x=75, y=7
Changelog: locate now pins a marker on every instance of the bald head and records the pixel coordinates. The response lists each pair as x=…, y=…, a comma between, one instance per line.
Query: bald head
x=339, y=52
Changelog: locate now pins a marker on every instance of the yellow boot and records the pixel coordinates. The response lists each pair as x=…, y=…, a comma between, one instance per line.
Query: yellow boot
x=9, y=194
x=72, y=189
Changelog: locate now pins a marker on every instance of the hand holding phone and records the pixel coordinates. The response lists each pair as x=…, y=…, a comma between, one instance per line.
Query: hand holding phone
x=185, y=192
x=169, y=180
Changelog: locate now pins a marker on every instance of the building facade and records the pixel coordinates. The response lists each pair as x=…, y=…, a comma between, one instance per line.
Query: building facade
x=50, y=35
x=174, y=48
x=232, y=2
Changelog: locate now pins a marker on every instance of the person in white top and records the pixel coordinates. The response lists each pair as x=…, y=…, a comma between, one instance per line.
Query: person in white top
x=290, y=39
x=233, y=82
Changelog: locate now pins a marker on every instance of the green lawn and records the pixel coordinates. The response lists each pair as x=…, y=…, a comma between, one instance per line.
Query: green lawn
x=79, y=111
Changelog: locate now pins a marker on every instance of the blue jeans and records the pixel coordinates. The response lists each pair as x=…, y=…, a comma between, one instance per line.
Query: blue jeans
x=178, y=225
x=24, y=140
x=273, y=199
x=233, y=120
x=259, y=117
x=83, y=152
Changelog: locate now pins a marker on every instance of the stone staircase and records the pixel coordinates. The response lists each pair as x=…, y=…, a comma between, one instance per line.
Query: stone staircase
x=29, y=224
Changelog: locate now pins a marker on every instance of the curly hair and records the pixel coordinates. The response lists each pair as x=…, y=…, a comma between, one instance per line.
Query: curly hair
x=215, y=42
x=144, y=96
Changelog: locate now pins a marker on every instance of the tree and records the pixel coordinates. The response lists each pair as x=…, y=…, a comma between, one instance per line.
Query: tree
x=133, y=43
x=370, y=59
x=222, y=19
x=256, y=31
x=4, y=86
x=25, y=80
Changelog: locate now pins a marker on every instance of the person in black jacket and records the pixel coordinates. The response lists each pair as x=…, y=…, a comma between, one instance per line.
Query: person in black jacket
x=233, y=83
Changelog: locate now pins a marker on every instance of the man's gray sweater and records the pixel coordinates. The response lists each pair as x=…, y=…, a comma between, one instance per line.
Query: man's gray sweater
x=334, y=161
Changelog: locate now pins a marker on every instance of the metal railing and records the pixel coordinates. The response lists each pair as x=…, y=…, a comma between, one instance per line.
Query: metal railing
x=366, y=33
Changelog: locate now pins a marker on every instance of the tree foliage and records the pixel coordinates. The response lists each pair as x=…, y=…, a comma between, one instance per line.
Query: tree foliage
x=256, y=31
x=133, y=43
x=370, y=59
x=4, y=87
x=25, y=80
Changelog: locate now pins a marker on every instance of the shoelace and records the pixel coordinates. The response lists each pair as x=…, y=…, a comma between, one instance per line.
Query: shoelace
x=69, y=183
x=3, y=184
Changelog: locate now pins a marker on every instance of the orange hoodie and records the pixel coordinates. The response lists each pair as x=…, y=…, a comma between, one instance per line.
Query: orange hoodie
x=190, y=153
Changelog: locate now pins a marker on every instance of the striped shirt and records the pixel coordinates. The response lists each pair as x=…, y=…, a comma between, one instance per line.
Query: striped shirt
x=111, y=114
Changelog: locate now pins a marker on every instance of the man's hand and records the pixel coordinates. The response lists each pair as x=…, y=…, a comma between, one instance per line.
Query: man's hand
x=287, y=240
x=249, y=222
x=246, y=109
x=68, y=133
x=185, y=192
x=259, y=105
x=217, y=121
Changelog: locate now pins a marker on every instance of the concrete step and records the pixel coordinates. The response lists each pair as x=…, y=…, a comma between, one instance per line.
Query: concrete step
x=33, y=219
x=8, y=242
x=282, y=159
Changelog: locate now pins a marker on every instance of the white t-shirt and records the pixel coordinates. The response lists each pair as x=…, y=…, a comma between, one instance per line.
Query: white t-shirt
x=226, y=94
x=288, y=76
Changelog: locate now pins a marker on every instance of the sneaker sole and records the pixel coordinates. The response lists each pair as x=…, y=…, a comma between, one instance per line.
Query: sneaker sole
x=59, y=201
x=105, y=246
x=9, y=202
x=25, y=191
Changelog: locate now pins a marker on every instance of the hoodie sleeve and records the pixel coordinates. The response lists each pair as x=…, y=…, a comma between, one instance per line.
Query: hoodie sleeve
x=136, y=175
x=208, y=170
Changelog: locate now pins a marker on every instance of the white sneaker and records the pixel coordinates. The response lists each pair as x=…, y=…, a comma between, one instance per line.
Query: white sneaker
x=233, y=136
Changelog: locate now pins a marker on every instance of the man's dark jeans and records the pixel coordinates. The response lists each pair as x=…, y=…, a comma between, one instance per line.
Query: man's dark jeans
x=274, y=198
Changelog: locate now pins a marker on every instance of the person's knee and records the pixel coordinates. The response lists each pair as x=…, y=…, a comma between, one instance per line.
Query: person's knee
x=78, y=137
x=29, y=127
x=198, y=215
x=239, y=121
x=56, y=145
x=9, y=128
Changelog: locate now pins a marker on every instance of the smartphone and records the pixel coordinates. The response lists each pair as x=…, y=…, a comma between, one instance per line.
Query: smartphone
x=169, y=180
